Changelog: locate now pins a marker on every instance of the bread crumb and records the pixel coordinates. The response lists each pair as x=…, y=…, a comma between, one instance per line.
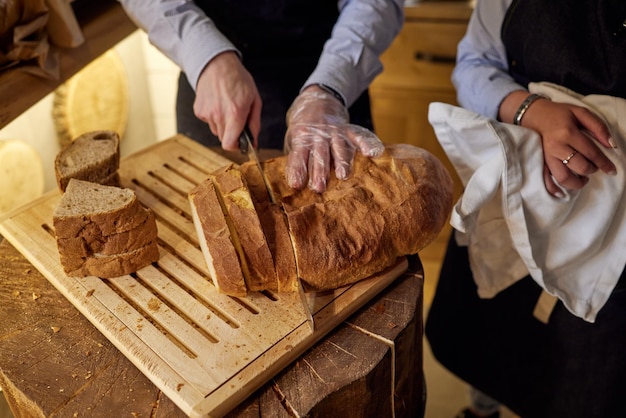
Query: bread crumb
x=154, y=304
x=90, y=292
x=179, y=387
x=36, y=296
x=16, y=293
x=55, y=329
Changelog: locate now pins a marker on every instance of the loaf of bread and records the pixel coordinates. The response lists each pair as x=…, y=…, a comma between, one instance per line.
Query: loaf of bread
x=93, y=156
x=391, y=206
x=103, y=230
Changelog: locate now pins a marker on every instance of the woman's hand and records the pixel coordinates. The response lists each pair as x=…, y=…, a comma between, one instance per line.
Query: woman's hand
x=570, y=137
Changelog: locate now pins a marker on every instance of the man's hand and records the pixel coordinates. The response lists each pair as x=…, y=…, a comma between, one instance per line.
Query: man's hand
x=319, y=135
x=227, y=98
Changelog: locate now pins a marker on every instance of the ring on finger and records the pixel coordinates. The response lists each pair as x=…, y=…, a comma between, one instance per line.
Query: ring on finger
x=569, y=157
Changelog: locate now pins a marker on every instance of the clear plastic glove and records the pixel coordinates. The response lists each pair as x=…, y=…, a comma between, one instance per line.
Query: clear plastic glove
x=320, y=136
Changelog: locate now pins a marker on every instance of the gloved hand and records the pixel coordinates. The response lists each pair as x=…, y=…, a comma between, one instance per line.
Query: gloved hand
x=319, y=135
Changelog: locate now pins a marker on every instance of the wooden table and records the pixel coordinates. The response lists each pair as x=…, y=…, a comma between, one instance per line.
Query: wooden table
x=55, y=363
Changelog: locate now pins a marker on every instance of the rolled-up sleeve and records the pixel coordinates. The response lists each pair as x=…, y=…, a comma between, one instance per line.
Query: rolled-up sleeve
x=351, y=57
x=181, y=31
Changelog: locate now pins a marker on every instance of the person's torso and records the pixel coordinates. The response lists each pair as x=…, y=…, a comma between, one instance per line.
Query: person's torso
x=578, y=44
x=274, y=28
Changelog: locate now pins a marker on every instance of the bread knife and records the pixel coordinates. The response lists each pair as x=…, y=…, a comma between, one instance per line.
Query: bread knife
x=246, y=146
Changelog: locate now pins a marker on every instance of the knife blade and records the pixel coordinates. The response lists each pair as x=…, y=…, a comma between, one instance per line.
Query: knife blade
x=246, y=146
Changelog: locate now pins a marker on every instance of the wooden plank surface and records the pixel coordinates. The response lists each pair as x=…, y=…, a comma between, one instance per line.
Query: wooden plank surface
x=165, y=317
x=54, y=362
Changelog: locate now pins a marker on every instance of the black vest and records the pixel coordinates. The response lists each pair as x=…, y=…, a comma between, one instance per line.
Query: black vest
x=281, y=31
x=579, y=44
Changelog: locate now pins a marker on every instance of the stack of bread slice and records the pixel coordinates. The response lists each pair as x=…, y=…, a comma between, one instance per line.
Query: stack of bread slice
x=101, y=229
x=93, y=156
x=391, y=206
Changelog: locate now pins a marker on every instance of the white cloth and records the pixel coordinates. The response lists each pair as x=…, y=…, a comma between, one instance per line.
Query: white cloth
x=574, y=247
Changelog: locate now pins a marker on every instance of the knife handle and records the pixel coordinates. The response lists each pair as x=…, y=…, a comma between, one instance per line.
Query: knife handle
x=243, y=143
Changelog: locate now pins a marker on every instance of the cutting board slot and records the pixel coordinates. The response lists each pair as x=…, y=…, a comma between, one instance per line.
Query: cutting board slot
x=50, y=230
x=149, y=309
x=270, y=295
x=196, y=284
x=162, y=193
x=180, y=298
x=176, y=188
x=180, y=302
x=200, y=170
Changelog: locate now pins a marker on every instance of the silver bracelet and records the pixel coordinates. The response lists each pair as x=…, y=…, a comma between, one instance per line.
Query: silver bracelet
x=517, y=119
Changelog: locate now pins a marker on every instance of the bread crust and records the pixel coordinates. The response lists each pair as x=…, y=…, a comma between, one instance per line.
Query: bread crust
x=110, y=266
x=91, y=241
x=215, y=240
x=93, y=156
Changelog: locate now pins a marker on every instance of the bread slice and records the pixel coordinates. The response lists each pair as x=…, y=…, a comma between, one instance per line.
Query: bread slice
x=88, y=208
x=90, y=242
x=110, y=266
x=216, y=240
x=93, y=156
x=275, y=227
x=246, y=230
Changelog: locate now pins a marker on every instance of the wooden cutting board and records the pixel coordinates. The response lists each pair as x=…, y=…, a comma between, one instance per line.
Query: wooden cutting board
x=206, y=351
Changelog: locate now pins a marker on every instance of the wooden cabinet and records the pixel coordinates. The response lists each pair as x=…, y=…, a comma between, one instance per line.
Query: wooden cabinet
x=417, y=70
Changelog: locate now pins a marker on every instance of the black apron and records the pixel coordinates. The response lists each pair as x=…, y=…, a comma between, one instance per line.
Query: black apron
x=568, y=367
x=281, y=42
